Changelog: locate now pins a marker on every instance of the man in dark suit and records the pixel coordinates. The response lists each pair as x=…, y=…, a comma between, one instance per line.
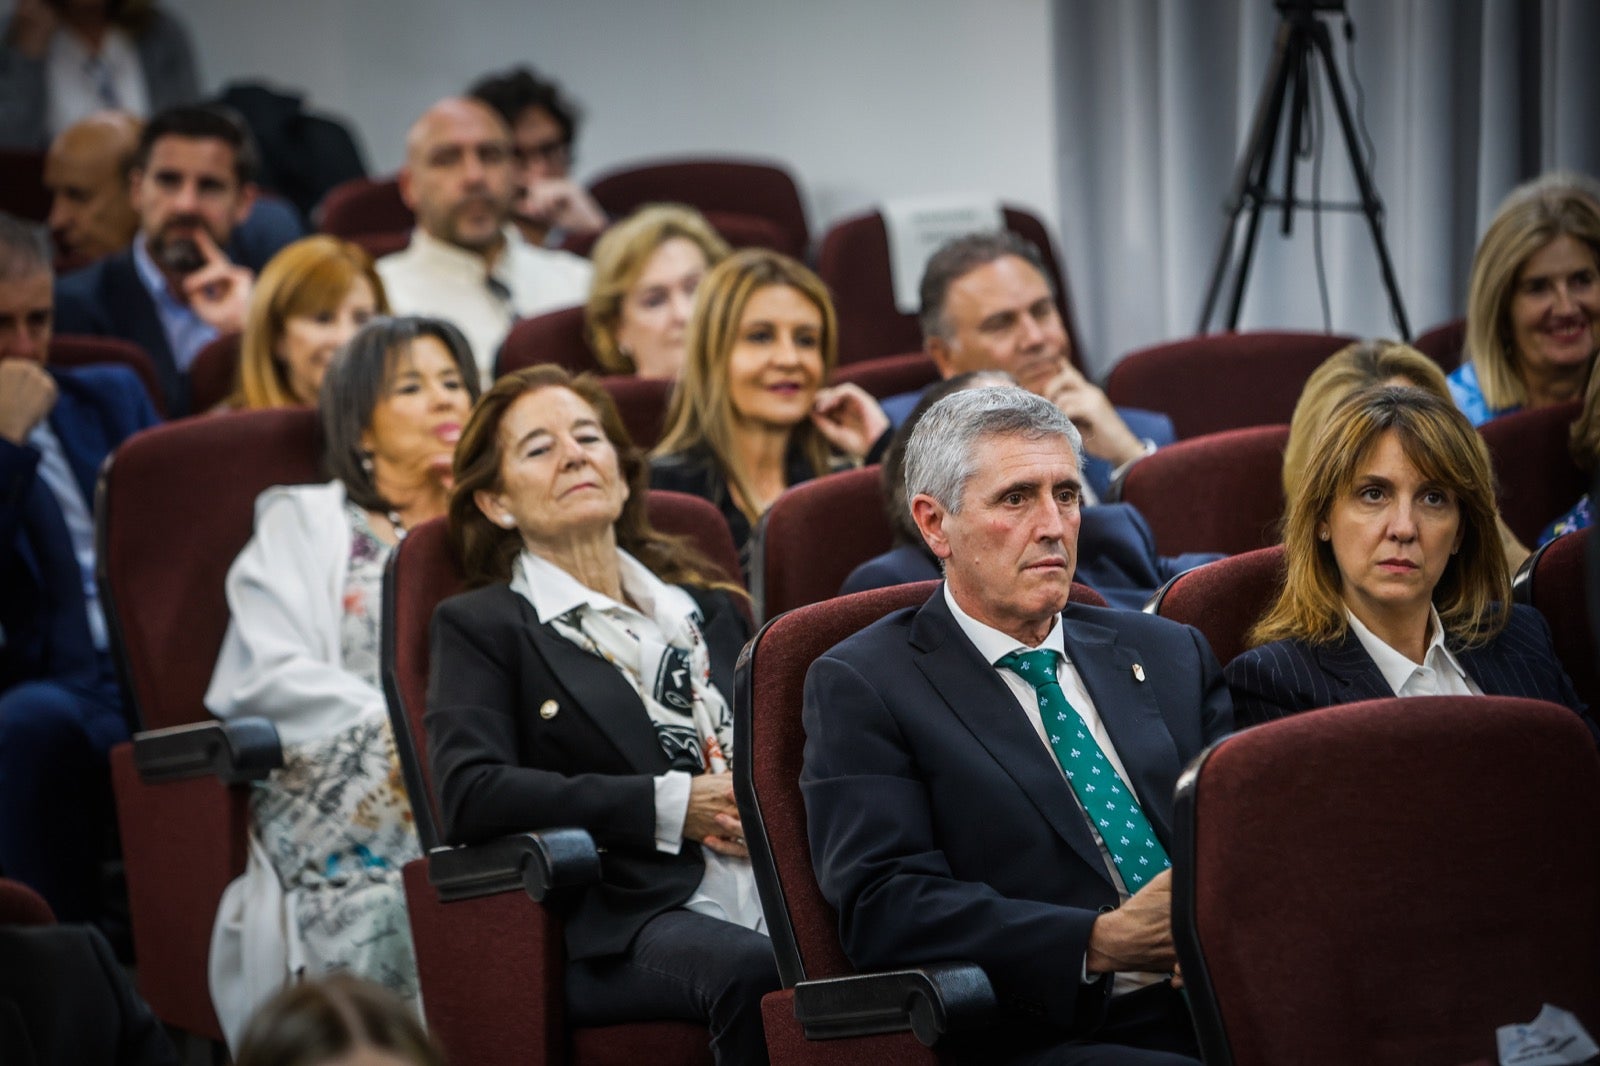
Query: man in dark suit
x=989, y=777
x=60, y=707
x=174, y=290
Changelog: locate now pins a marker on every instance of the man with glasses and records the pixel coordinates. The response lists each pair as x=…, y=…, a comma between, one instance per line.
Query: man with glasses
x=544, y=125
x=466, y=263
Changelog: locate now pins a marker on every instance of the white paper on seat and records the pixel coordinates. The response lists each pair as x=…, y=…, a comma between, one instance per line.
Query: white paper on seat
x=1554, y=1038
x=918, y=225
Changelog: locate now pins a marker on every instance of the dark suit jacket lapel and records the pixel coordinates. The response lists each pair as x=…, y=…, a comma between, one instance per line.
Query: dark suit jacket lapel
x=131, y=303
x=598, y=690
x=1352, y=674
x=1130, y=712
x=977, y=697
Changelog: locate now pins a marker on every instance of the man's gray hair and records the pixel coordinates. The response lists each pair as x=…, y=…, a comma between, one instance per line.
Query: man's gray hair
x=942, y=454
x=960, y=256
x=24, y=252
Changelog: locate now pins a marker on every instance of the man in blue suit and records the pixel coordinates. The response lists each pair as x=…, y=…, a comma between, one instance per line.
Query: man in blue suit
x=60, y=707
x=988, y=304
x=989, y=777
x=175, y=290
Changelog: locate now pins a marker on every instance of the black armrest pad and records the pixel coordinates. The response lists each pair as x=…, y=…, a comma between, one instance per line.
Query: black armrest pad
x=929, y=1000
x=240, y=750
x=538, y=863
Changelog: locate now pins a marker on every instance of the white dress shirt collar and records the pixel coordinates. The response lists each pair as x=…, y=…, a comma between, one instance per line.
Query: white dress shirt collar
x=1400, y=673
x=995, y=645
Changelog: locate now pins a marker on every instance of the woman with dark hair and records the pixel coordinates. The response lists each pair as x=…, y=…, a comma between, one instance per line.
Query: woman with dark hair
x=341, y=1021
x=587, y=682
x=1396, y=584
x=331, y=829
x=750, y=416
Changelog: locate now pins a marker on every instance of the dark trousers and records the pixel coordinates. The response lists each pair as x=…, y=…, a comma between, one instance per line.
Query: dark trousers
x=55, y=789
x=683, y=966
x=1149, y=1027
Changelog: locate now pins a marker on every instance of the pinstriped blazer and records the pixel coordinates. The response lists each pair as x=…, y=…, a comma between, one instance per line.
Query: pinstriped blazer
x=1289, y=676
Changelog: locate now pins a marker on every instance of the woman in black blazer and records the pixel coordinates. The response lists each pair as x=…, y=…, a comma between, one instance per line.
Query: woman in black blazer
x=588, y=683
x=1396, y=583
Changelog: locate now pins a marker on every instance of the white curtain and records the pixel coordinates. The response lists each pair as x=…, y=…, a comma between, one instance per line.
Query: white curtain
x=1462, y=99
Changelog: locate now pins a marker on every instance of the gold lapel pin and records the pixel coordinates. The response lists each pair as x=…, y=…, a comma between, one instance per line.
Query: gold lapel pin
x=1138, y=672
x=548, y=709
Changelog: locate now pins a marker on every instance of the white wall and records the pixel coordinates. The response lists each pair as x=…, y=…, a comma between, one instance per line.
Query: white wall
x=863, y=101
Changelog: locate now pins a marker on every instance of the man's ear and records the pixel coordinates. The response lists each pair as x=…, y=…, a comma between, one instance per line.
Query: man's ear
x=403, y=180
x=247, y=202
x=135, y=179
x=938, y=349
x=929, y=514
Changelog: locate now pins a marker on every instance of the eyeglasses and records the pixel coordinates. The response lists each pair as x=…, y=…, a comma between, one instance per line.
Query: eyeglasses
x=550, y=153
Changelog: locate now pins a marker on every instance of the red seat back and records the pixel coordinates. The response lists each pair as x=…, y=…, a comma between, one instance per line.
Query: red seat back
x=642, y=403
x=22, y=191
x=214, y=374
x=814, y=535
x=1536, y=480
x=364, y=206
x=67, y=349
x=1222, y=380
x=1444, y=343
x=1224, y=599
x=554, y=337
x=853, y=260
x=736, y=186
x=1556, y=580
x=1423, y=909
x=1221, y=492
x=175, y=505
x=890, y=375
x=21, y=905
x=769, y=741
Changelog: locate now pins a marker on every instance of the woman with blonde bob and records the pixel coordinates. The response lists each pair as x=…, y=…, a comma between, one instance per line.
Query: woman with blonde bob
x=1352, y=368
x=310, y=299
x=1395, y=582
x=750, y=416
x=646, y=270
x=588, y=682
x=1533, y=301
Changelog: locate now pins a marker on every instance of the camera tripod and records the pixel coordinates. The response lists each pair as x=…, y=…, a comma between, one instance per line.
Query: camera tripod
x=1302, y=40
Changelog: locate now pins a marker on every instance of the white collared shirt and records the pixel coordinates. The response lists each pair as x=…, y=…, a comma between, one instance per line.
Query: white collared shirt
x=994, y=645
x=1439, y=674
x=434, y=277
x=727, y=890
x=76, y=78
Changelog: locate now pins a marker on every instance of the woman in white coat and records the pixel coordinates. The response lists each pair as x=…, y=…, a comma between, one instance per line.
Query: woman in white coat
x=332, y=828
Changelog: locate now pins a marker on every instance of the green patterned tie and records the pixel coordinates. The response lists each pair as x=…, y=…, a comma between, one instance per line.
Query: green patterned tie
x=1115, y=809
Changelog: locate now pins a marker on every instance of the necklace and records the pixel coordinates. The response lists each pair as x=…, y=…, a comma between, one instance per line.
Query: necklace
x=399, y=526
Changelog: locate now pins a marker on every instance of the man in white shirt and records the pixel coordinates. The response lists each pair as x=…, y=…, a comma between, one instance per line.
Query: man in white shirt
x=466, y=262
x=989, y=777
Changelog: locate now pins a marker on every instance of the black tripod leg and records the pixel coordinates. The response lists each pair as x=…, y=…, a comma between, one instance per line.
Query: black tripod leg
x=1371, y=206
x=1249, y=179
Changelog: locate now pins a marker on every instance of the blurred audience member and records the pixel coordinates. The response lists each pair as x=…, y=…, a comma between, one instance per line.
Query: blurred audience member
x=175, y=290
x=332, y=828
x=86, y=172
x=544, y=127
x=1395, y=584
x=311, y=298
x=1533, y=302
x=1116, y=549
x=66, y=59
x=988, y=303
x=466, y=263
x=750, y=415
x=60, y=703
x=646, y=270
x=340, y=1021
x=1586, y=453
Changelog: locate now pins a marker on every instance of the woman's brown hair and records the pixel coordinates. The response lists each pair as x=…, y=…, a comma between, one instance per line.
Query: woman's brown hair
x=488, y=552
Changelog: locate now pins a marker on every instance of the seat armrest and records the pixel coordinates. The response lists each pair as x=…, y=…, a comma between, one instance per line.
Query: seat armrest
x=538, y=863
x=929, y=1000
x=239, y=750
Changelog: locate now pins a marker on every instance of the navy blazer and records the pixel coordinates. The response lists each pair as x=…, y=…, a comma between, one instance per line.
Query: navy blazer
x=941, y=827
x=1116, y=557
x=1146, y=425
x=108, y=299
x=1290, y=676
x=501, y=766
x=96, y=409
